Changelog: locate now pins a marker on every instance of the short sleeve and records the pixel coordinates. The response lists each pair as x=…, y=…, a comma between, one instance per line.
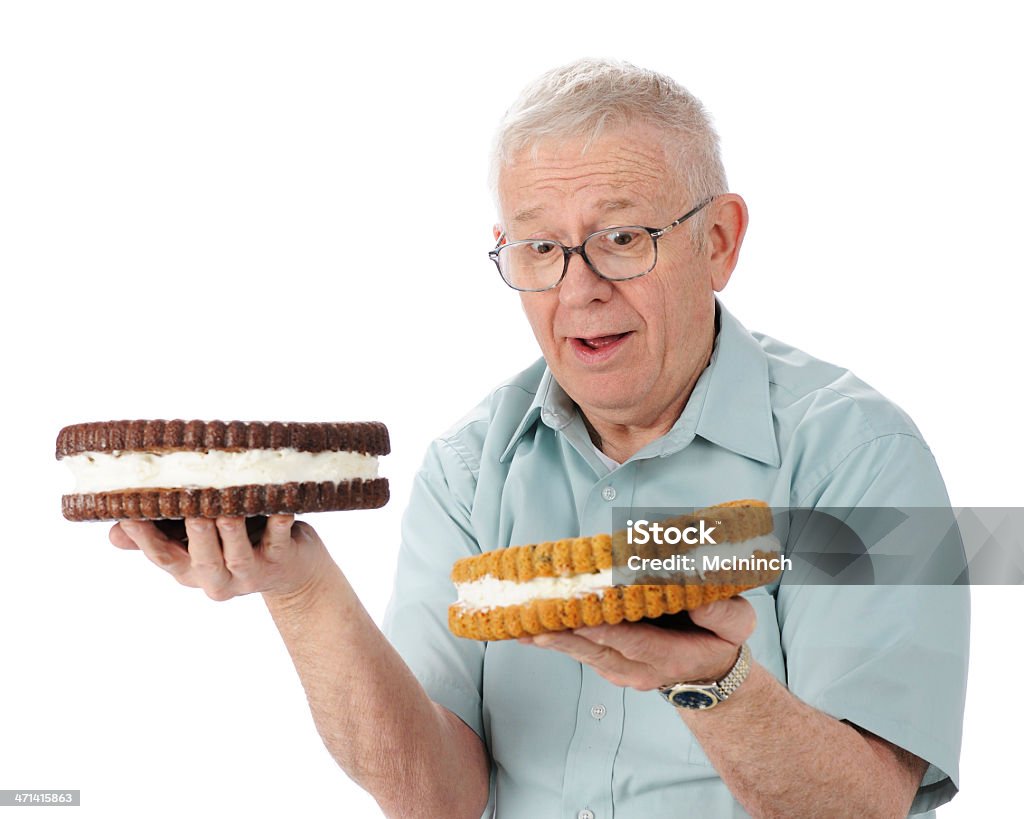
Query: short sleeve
x=435, y=533
x=891, y=659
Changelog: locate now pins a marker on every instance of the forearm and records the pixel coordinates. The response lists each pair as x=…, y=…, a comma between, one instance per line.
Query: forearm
x=413, y=756
x=781, y=757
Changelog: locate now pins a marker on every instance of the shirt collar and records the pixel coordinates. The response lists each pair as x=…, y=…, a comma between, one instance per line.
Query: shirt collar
x=729, y=406
x=737, y=409
x=551, y=404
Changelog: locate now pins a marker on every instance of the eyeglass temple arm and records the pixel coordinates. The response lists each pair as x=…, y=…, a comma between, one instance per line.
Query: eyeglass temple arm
x=659, y=233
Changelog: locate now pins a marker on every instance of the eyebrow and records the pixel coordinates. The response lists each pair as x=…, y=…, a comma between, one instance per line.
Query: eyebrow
x=529, y=214
x=616, y=204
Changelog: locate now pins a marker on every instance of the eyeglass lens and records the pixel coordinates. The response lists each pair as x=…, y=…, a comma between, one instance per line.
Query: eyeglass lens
x=616, y=253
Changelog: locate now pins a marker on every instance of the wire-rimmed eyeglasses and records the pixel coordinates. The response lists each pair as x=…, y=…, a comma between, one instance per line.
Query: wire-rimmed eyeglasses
x=617, y=254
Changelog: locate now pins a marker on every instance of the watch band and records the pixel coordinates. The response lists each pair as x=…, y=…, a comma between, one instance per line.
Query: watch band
x=701, y=696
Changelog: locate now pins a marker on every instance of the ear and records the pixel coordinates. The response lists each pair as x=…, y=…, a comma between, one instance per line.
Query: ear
x=726, y=227
x=497, y=232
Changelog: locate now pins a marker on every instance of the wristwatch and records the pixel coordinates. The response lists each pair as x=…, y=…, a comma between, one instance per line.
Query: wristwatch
x=701, y=696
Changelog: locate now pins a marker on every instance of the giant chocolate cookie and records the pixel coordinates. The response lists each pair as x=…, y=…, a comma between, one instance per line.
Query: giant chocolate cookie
x=178, y=469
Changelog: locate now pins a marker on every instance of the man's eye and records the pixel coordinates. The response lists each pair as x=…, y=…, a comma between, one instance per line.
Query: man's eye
x=542, y=248
x=621, y=238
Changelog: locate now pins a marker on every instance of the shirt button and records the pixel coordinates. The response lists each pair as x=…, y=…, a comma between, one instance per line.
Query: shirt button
x=586, y=813
x=609, y=493
x=598, y=711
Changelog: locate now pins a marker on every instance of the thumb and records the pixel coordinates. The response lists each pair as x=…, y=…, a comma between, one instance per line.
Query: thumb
x=733, y=620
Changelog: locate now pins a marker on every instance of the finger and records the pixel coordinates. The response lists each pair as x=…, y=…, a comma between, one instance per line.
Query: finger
x=664, y=655
x=168, y=554
x=239, y=557
x=208, y=567
x=733, y=620
x=277, y=539
x=120, y=538
x=647, y=643
x=639, y=642
x=606, y=661
x=667, y=655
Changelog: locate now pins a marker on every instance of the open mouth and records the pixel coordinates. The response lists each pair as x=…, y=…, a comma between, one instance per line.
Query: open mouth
x=598, y=349
x=601, y=342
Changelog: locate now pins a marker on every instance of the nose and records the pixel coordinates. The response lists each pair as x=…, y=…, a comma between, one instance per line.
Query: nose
x=581, y=285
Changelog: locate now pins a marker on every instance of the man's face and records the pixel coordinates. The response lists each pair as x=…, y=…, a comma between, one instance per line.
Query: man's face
x=626, y=352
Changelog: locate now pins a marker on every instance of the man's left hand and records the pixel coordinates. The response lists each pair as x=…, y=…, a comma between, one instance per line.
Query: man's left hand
x=645, y=657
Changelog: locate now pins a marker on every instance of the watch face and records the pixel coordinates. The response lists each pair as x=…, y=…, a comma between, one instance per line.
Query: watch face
x=693, y=699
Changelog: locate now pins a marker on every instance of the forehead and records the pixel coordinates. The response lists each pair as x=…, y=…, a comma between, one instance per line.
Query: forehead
x=624, y=170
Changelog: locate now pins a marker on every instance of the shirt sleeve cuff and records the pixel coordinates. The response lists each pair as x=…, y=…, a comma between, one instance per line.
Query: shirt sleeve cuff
x=464, y=704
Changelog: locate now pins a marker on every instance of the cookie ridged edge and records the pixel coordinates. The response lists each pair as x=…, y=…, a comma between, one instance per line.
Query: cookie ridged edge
x=270, y=499
x=615, y=605
x=559, y=558
x=736, y=521
x=369, y=437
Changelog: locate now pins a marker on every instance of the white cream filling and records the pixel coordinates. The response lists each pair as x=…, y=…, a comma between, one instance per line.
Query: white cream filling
x=216, y=469
x=489, y=592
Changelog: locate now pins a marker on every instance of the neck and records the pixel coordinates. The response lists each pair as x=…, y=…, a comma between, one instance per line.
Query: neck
x=620, y=439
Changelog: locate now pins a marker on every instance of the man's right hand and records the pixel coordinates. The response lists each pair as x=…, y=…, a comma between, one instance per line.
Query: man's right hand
x=221, y=560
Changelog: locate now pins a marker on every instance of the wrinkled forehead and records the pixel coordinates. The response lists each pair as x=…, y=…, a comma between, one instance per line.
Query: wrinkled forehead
x=627, y=169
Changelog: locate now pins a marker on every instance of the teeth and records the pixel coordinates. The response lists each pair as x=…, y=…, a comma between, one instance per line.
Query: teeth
x=601, y=341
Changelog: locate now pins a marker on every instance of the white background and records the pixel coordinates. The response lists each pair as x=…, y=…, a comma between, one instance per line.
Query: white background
x=279, y=211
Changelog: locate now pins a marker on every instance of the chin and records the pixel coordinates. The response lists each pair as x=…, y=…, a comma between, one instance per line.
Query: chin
x=605, y=400
x=614, y=386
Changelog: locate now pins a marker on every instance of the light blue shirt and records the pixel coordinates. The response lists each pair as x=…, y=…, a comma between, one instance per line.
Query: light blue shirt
x=764, y=421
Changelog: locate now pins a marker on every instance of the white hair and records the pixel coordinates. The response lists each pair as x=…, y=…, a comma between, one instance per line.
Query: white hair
x=586, y=97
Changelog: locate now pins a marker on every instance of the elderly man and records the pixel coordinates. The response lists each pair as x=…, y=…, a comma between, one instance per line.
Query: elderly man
x=617, y=229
